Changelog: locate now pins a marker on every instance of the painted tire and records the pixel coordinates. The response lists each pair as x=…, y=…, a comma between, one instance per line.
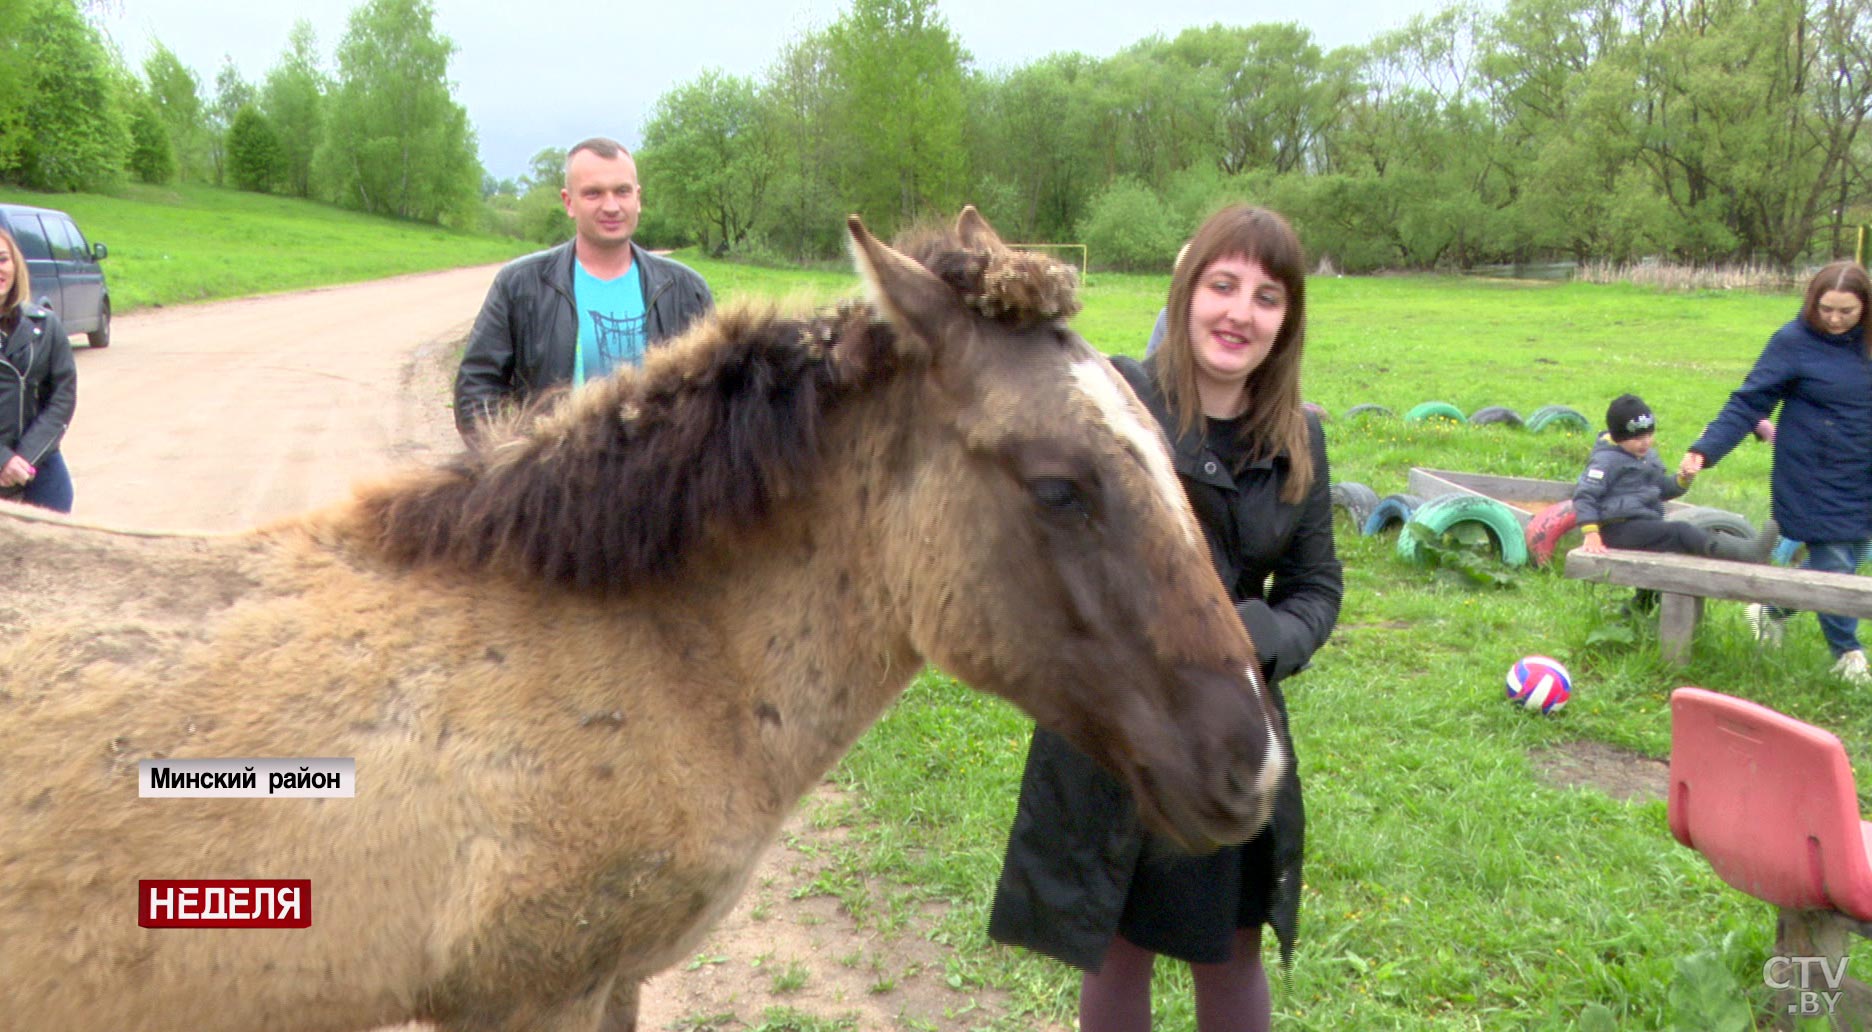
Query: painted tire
x=1557, y=415
x=1716, y=521
x=1442, y=513
x=1368, y=410
x=1318, y=409
x=1393, y=511
x=1495, y=414
x=1357, y=500
x=1545, y=530
x=1434, y=410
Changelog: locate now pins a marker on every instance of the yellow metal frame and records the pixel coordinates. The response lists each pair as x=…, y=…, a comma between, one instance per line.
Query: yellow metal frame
x=1085, y=256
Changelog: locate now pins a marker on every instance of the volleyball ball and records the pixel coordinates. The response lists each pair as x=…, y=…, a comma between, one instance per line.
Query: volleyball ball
x=1540, y=683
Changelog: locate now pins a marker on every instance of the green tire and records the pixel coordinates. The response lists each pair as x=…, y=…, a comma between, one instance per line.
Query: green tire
x=1443, y=513
x=1434, y=410
x=1557, y=415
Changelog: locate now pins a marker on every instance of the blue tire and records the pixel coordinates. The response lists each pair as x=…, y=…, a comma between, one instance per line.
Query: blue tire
x=1391, y=511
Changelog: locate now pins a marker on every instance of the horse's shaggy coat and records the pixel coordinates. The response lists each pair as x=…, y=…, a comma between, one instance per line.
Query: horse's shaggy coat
x=586, y=669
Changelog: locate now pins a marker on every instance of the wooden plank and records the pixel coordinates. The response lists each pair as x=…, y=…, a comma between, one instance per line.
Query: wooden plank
x=1428, y=484
x=1843, y=593
x=1517, y=491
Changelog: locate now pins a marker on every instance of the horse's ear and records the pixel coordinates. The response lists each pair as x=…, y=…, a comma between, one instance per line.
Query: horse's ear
x=905, y=292
x=975, y=232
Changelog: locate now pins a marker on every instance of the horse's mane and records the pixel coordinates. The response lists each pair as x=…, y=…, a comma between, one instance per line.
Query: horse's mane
x=1017, y=287
x=616, y=481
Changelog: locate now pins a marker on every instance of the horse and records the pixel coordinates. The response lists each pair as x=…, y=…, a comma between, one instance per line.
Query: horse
x=587, y=667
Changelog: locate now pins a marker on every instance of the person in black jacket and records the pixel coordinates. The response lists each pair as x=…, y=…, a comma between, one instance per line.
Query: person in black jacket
x=38, y=391
x=1083, y=881
x=1818, y=370
x=1619, y=499
x=577, y=311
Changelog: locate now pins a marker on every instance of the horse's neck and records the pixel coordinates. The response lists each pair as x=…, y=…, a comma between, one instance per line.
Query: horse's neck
x=822, y=635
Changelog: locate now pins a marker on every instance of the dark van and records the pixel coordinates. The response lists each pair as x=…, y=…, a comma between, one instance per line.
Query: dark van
x=64, y=269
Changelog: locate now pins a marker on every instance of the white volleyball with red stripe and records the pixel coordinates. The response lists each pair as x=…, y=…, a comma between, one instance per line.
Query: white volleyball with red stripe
x=1540, y=683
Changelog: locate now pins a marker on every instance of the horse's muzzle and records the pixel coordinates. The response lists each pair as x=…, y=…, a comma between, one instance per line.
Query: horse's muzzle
x=1218, y=788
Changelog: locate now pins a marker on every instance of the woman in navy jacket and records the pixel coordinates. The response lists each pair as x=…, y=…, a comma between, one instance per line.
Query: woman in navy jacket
x=1083, y=881
x=1818, y=371
x=38, y=391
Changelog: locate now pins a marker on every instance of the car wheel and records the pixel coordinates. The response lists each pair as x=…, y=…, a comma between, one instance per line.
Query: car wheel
x=100, y=337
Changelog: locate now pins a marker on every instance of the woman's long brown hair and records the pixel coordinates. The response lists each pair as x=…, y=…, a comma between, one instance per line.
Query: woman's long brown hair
x=1275, y=422
x=1846, y=276
x=21, y=288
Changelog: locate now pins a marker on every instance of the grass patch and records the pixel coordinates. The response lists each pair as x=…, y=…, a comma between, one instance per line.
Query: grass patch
x=177, y=244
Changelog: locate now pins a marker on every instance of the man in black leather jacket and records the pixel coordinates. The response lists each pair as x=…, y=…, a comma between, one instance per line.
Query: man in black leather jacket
x=537, y=327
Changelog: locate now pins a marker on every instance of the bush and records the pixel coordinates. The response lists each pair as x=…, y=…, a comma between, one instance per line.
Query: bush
x=152, y=158
x=542, y=216
x=256, y=161
x=1130, y=229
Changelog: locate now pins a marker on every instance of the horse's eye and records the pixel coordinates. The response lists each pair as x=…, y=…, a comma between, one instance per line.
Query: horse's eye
x=1056, y=493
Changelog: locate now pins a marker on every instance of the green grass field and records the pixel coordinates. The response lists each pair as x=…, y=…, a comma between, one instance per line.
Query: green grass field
x=1448, y=887
x=172, y=245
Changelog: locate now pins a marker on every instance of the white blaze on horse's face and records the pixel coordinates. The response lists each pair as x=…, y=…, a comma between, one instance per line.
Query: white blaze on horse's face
x=1127, y=418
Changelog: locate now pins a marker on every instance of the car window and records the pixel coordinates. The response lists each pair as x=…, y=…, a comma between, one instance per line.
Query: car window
x=67, y=245
x=31, y=238
x=78, y=240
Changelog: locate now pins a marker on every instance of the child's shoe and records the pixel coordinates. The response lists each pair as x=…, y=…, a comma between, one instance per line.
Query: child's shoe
x=1852, y=668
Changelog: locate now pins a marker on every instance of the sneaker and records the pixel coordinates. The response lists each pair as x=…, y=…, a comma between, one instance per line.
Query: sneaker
x=1769, y=628
x=1852, y=668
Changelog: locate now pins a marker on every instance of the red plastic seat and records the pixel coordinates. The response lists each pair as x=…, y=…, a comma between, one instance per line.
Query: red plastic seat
x=1770, y=802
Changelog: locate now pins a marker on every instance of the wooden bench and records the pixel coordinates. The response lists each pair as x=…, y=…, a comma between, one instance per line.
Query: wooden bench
x=1685, y=581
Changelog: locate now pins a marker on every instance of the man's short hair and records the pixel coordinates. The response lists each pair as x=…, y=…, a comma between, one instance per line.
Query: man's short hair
x=603, y=146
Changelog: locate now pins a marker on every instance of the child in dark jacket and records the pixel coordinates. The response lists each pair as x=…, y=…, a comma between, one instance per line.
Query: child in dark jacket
x=1619, y=500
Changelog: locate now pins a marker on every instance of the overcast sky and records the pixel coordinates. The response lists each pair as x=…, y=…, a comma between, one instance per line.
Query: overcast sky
x=546, y=73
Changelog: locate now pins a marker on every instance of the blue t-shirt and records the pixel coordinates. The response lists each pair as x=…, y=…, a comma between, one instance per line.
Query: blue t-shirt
x=610, y=321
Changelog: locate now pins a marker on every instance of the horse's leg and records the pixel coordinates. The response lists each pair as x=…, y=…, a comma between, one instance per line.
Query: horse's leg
x=620, y=1013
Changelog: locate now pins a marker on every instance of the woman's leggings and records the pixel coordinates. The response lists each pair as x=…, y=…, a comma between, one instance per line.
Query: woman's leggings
x=1230, y=997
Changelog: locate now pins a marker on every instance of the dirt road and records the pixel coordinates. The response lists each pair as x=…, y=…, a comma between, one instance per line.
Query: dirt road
x=225, y=415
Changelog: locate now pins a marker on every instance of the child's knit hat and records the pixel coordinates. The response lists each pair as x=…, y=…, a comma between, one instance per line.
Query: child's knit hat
x=1628, y=417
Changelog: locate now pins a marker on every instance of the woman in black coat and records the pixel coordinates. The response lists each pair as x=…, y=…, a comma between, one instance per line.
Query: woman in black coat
x=1083, y=881
x=38, y=390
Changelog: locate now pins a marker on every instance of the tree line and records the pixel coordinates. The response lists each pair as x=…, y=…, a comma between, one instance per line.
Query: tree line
x=1703, y=131
x=1700, y=131
x=382, y=134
